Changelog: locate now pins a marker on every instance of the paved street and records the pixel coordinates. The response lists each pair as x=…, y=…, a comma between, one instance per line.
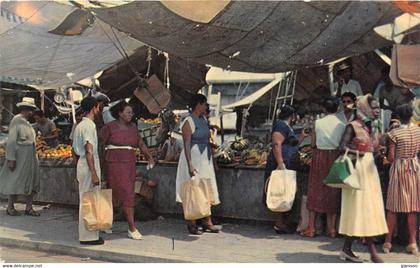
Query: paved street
x=167, y=240
x=18, y=255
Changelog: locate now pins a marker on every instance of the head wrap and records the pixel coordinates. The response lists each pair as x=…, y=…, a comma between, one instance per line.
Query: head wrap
x=364, y=106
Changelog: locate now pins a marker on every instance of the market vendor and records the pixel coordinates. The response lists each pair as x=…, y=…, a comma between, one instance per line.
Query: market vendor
x=345, y=82
x=46, y=128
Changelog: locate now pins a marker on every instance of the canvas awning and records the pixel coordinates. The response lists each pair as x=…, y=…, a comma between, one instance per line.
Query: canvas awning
x=256, y=95
x=257, y=36
x=30, y=54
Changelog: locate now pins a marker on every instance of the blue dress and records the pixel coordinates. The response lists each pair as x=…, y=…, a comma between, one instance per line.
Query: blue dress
x=288, y=149
x=200, y=157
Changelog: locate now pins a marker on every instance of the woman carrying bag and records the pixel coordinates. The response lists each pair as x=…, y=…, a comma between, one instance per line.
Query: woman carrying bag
x=362, y=210
x=196, y=160
x=285, y=146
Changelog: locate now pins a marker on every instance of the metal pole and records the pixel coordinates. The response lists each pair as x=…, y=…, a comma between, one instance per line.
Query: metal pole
x=331, y=78
x=42, y=95
x=222, y=132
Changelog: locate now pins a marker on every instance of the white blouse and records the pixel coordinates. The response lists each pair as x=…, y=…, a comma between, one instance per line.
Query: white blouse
x=329, y=131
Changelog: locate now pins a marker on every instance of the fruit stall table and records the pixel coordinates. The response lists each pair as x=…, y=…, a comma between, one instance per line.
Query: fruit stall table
x=240, y=188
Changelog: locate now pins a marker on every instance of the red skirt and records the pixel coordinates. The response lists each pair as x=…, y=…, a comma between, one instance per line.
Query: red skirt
x=322, y=198
x=121, y=177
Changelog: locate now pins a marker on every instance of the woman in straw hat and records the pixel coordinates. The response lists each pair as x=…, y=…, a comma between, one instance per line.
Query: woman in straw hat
x=20, y=173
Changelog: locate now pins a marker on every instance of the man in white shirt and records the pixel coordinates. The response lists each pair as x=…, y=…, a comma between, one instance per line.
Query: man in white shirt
x=345, y=83
x=85, y=146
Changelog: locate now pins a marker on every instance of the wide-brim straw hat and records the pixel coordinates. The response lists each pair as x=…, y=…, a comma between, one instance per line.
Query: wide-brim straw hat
x=27, y=102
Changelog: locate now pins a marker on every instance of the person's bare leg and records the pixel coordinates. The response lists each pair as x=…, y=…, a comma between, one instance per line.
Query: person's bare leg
x=372, y=250
x=412, y=228
x=11, y=202
x=207, y=221
x=29, y=201
x=348, y=243
x=129, y=215
x=391, y=220
x=310, y=230
x=331, y=223
x=279, y=223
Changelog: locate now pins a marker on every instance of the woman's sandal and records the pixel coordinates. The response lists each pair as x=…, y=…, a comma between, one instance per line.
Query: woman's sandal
x=283, y=230
x=32, y=212
x=387, y=247
x=412, y=249
x=211, y=228
x=308, y=233
x=13, y=212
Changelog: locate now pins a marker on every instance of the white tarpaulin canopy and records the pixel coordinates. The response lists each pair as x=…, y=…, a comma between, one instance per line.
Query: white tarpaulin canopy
x=30, y=55
x=256, y=95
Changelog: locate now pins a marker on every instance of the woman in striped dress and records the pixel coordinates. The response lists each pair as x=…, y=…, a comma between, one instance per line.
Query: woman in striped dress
x=404, y=183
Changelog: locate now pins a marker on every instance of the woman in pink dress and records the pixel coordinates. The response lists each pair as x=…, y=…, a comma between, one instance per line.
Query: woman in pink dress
x=120, y=137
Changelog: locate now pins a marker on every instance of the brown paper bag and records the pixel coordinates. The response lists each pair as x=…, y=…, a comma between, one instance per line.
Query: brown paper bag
x=405, y=65
x=408, y=60
x=195, y=202
x=97, y=210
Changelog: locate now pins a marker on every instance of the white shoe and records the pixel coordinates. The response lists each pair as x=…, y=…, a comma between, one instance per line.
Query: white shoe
x=136, y=235
x=345, y=257
x=109, y=231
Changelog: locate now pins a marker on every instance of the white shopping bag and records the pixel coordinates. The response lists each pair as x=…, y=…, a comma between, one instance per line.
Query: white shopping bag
x=281, y=190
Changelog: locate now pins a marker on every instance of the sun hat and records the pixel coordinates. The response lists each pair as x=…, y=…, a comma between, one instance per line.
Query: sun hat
x=27, y=102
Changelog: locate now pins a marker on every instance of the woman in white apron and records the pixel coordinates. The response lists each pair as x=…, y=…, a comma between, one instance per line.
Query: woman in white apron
x=196, y=159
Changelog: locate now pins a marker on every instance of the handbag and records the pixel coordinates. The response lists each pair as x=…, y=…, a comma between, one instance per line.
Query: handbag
x=195, y=200
x=343, y=174
x=97, y=210
x=281, y=190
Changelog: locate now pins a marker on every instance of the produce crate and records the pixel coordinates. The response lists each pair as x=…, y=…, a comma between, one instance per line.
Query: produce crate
x=148, y=132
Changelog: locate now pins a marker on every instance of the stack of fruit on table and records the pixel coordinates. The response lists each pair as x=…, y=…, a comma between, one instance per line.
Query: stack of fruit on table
x=151, y=121
x=62, y=151
x=242, y=151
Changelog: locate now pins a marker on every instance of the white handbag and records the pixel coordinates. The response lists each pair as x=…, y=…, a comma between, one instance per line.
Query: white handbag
x=353, y=180
x=281, y=190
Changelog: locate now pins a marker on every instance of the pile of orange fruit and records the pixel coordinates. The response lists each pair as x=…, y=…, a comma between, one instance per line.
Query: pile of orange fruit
x=61, y=151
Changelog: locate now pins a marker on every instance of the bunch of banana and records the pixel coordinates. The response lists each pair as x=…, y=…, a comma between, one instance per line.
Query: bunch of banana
x=240, y=144
x=263, y=159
